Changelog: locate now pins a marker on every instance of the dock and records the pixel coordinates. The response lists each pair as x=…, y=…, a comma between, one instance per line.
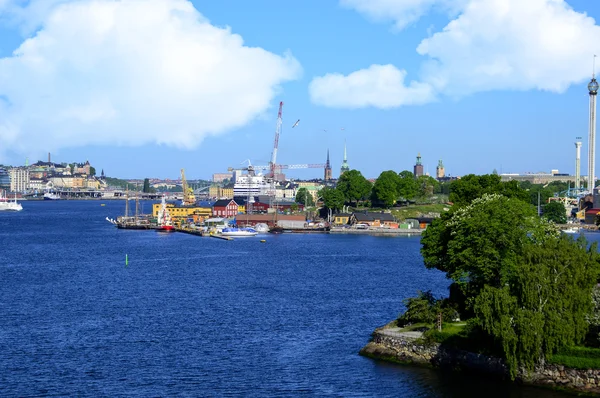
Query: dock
x=221, y=237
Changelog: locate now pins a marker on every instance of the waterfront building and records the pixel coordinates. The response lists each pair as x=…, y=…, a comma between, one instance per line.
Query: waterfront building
x=418, y=169
x=440, y=171
x=345, y=166
x=540, y=178
x=250, y=185
x=327, y=175
x=225, y=208
x=4, y=179
x=19, y=179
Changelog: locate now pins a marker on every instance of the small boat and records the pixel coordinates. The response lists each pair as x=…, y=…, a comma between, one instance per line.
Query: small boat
x=572, y=230
x=233, y=231
x=8, y=205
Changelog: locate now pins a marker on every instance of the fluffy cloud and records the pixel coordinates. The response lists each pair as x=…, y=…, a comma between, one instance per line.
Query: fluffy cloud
x=132, y=72
x=380, y=86
x=491, y=45
x=512, y=44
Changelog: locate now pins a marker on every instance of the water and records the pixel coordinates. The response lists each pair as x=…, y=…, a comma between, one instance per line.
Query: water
x=191, y=316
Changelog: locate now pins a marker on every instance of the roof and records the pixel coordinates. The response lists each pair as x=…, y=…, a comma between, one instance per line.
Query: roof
x=342, y=215
x=374, y=216
x=223, y=202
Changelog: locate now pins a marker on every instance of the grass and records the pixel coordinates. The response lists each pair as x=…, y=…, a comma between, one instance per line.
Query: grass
x=414, y=211
x=577, y=357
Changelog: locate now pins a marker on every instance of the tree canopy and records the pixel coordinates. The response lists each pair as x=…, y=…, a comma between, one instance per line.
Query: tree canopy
x=528, y=286
x=354, y=186
x=332, y=198
x=555, y=211
x=471, y=186
x=385, y=189
x=304, y=197
x=407, y=185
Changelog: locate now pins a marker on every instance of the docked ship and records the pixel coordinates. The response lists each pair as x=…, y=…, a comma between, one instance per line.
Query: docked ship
x=9, y=205
x=238, y=232
x=51, y=196
x=251, y=185
x=164, y=221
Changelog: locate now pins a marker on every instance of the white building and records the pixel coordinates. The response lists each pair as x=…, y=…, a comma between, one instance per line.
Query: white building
x=19, y=179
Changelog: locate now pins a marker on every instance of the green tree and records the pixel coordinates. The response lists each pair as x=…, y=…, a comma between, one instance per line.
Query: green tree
x=471, y=186
x=146, y=188
x=92, y=171
x=426, y=185
x=407, y=185
x=332, y=198
x=385, y=189
x=546, y=303
x=354, y=186
x=555, y=211
x=480, y=244
x=304, y=197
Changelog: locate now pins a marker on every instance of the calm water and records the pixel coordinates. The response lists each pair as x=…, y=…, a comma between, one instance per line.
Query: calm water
x=193, y=316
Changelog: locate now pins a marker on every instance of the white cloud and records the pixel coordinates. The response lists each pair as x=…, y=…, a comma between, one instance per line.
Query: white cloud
x=380, y=86
x=132, y=72
x=492, y=45
x=512, y=44
x=401, y=12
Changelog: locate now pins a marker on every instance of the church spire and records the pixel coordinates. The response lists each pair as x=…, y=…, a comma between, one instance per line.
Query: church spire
x=345, y=166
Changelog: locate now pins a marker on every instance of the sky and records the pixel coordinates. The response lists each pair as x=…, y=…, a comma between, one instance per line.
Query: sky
x=145, y=88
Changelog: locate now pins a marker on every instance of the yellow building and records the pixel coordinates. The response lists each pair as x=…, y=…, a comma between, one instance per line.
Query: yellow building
x=198, y=213
x=341, y=219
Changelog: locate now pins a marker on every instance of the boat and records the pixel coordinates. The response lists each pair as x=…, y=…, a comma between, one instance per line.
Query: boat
x=164, y=223
x=51, y=196
x=234, y=231
x=261, y=228
x=8, y=205
x=572, y=230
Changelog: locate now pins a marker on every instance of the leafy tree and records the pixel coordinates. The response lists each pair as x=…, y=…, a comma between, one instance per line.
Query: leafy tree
x=528, y=286
x=426, y=185
x=407, y=185
x=146, y=188
x=385, y=189
x=92, y=171
x=545, y=305
x=480, y=244
x=304, y=197
x=555, y=211
x=332, y=198
x=470, y=187
x=354, y=186
x=419, y=309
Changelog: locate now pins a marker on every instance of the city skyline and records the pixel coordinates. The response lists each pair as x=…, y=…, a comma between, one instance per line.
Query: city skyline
x=481, y=85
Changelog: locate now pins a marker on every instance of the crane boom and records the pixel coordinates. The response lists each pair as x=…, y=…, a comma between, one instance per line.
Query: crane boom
x=273, y=163
x=188, y=193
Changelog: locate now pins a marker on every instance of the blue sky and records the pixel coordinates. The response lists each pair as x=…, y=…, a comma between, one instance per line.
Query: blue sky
x=145, y=88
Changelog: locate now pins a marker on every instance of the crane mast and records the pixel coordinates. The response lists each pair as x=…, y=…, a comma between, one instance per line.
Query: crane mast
x=188, y=193
x=273, y=163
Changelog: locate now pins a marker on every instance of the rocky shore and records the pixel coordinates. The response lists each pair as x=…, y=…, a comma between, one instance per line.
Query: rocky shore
x=390, y=344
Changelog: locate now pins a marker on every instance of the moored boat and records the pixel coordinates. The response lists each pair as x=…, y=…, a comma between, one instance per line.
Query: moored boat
x=164, y=218
x=9, y=205
x=51, y=196
x=232, y=231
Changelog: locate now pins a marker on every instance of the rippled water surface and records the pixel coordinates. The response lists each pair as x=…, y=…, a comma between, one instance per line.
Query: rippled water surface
x=191, y=316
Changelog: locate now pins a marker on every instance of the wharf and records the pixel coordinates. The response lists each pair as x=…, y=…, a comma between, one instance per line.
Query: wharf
x=377, y=231
x=197, y=232
x=221, y=237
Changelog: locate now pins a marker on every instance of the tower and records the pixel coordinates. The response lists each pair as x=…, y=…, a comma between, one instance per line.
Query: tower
x=327, y=168
x=440, y=171
x=593, y=90
x=345, y=166
x=578, y=163
x=418, y=169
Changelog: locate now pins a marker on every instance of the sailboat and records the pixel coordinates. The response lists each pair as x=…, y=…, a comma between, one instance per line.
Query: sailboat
x=7, y=205
x=164, y=218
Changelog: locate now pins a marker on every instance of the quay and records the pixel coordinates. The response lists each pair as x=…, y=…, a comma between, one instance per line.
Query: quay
x=377, y=231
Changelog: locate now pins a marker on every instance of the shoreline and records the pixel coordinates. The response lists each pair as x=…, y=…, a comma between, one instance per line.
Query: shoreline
x=409, y=348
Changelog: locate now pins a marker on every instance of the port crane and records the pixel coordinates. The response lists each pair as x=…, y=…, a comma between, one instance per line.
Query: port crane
x=188, y=193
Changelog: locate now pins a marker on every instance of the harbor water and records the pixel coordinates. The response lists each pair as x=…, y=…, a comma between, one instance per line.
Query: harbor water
x=192, y=316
